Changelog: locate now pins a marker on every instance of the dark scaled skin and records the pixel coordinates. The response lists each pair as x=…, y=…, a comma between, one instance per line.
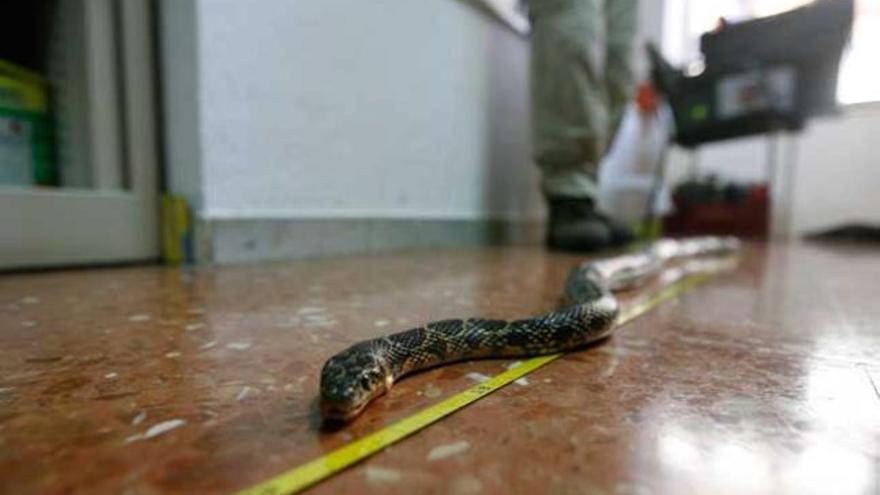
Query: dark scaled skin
x=353, y=378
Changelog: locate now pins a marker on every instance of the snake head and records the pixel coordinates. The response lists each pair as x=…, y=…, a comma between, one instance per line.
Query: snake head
x=350, y=380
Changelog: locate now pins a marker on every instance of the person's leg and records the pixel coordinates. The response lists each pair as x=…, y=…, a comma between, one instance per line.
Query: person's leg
x=569, y=118
x=621, y=26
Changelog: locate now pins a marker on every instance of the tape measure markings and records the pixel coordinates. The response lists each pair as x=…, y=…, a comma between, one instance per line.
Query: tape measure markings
x=312, y=472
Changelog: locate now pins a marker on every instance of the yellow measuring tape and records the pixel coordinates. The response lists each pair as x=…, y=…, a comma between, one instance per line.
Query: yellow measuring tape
x=312, y=472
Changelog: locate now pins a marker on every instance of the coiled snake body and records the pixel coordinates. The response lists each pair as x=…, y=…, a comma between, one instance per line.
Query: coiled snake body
x=353, y=378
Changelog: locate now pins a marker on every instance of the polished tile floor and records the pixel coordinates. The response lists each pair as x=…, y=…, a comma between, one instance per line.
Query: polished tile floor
x=159, y=380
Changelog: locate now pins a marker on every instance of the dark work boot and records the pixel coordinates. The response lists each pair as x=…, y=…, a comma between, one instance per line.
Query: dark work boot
x=621, y=234
x=575, y=225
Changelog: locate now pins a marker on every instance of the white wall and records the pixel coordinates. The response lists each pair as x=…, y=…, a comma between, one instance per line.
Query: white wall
x=838, y=171
x=401, y=109
x=345, y=108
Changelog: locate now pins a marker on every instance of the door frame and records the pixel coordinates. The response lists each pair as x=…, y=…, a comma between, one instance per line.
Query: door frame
x=117, y=219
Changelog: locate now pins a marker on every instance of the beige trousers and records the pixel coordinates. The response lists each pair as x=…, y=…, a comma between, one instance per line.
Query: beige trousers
x=582, y=78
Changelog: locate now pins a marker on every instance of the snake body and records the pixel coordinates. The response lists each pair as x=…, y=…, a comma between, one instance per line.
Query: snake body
x=353, y=378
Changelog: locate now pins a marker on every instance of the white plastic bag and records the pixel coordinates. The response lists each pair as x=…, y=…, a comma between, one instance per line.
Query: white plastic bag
x=627, y=173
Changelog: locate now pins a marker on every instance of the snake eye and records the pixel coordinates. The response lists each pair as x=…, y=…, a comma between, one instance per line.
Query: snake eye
x=365, y=381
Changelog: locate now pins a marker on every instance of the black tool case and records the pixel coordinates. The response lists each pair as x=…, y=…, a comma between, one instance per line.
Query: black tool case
x=760, y=76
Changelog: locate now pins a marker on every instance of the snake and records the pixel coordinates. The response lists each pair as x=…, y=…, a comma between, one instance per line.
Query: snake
x=356, y=376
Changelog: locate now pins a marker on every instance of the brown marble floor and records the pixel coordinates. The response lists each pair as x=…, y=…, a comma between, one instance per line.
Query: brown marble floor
x=159, y=380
